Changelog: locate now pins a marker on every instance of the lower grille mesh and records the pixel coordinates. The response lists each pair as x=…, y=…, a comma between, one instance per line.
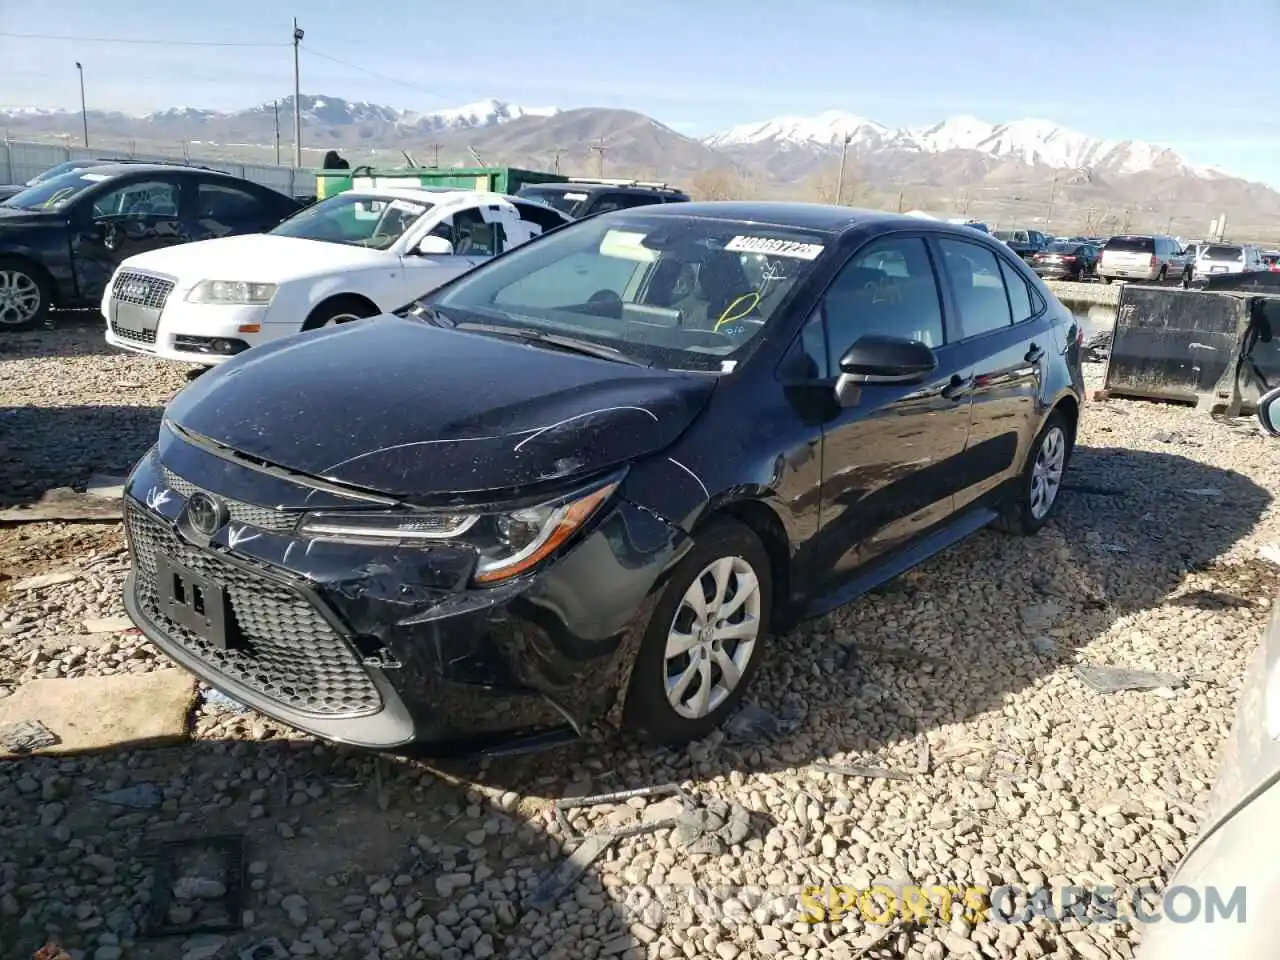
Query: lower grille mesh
x=294, y=656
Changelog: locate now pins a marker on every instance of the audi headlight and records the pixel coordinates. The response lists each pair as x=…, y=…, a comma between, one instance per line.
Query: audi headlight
x=232, y=291
x=507, y=544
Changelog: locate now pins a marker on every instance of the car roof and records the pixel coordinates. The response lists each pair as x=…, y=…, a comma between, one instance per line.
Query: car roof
x=116, y=168
x=439, y=196
x=587, y=186
x=826, y=218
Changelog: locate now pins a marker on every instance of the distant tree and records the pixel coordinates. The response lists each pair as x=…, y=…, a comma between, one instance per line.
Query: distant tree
x=718, y=184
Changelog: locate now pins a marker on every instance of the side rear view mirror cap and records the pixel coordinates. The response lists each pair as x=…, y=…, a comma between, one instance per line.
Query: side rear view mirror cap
x=881, y=359
x=1269, y=412
x=434, y=247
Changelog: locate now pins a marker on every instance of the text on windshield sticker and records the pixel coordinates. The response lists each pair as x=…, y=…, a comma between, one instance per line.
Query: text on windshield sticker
x=777, y=248
x=575, y=196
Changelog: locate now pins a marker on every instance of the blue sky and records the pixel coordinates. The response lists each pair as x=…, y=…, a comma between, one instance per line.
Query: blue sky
x=1194, y=76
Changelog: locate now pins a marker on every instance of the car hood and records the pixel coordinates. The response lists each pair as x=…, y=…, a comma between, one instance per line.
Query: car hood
x=15, y=217
x=256, y=258
x=405, y=408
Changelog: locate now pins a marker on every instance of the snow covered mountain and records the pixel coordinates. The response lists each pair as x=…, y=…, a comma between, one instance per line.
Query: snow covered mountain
x=1033, y=142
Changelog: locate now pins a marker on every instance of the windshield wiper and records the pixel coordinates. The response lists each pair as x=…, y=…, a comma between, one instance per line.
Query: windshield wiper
x=553, y=341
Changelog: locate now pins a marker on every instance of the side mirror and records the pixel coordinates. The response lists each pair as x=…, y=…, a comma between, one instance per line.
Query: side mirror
x=882, y=360
x=430, y=246
x=879, y=359
x=1269, y=412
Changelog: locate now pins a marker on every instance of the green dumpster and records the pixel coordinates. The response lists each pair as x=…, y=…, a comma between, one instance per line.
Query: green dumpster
x=490, y=179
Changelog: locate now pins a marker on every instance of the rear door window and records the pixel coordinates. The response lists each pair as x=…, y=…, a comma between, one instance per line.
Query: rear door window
x=978, y=285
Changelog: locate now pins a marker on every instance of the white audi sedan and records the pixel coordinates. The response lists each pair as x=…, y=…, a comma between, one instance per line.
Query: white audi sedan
x=354, y=255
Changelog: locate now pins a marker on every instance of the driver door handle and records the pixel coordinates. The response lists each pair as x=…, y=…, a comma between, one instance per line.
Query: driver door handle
x=1035, y=354
x=958, y=388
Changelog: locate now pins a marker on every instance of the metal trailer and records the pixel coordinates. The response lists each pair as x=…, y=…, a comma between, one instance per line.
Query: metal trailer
x=505, y=180
x=1216, y=349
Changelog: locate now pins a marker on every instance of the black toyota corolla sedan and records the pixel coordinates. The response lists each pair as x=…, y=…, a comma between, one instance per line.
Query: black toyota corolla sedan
x=577, y=488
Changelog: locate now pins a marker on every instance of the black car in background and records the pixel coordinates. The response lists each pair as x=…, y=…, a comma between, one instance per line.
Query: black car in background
x=1066, y=260
x=583, y=482
x=1025, y=243
x=61, y=239
x=580, y=197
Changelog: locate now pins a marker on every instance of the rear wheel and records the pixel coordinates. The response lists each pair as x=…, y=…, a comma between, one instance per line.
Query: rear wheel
x=1163, y=275
x=1041, y=480
x=24, y=296
x=705, y=639
x=339, y=310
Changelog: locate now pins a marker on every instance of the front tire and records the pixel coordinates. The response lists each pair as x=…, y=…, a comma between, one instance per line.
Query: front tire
x=24, y=296
x=705, y=639
x=1040, y=484
x=339, y=310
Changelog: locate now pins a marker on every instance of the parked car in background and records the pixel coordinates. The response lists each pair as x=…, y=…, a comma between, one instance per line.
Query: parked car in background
x=61, y=240
x=1066, y=260
x=1025, y=243
x=352, y=256
x=1144, y=257
x=10, y=189
x=582, y=197
x=971, y=224
x=1233, y=849
x=596, y=472
x=1218, y=258
x=1271, y=259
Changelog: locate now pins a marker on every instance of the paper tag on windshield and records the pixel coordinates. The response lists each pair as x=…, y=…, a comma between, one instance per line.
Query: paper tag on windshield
x=575, y=196
x=776, y=248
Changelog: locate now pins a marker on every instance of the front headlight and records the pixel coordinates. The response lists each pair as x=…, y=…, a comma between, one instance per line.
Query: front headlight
x=232, y=291
x=507, y=544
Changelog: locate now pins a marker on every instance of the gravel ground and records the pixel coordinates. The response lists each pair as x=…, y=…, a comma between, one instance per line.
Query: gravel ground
x=1029, y=777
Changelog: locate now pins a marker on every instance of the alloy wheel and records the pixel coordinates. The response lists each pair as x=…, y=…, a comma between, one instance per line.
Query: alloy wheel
x=1047, y=470
x=712, y=637
x=19, y=298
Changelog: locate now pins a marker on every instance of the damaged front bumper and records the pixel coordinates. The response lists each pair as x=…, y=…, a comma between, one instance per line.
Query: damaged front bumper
x=384, y=647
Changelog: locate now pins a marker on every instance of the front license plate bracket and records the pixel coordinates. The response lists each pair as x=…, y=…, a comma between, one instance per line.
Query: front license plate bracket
x=195, y=602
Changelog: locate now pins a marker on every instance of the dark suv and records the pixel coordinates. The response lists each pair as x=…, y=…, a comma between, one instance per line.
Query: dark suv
x=582, y=197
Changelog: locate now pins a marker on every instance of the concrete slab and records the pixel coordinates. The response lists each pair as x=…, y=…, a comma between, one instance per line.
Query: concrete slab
x=89, y=714
x=106, y=486
x=109, y=625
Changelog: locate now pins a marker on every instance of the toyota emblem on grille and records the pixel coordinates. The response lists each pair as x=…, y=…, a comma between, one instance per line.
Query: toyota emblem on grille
x=205, y=514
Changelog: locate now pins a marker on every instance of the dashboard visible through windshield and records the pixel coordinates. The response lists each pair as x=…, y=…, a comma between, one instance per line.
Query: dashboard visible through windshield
x=678, y=291
x=355, y=220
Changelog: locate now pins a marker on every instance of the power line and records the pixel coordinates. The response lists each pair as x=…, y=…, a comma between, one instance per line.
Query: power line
x=164, y=43
x=373, y=73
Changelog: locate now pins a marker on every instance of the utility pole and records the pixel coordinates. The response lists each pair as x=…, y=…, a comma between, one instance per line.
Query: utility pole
x=84, y=114
x=1053, y=189
x=844, y=153
x=599, y=150
x=275, y=108
x=899, y=201
x=297, y=96
x=556, y=168
x=435, y=154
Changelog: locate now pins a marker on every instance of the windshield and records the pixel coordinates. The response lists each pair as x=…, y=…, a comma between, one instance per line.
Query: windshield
x=1061, y=247
x=679, y=292
x=56, y=192
x=68, y=167
x=567, y=201
x=356, y=220
x=1224, y=253
x=1131, y=245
